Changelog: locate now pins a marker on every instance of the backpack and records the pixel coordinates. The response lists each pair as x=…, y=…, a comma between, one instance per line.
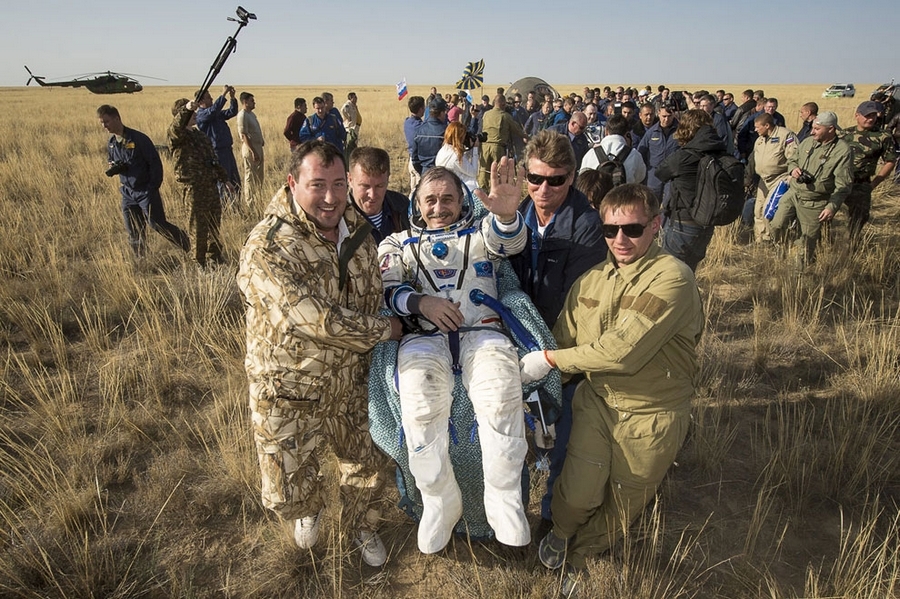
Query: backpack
x=614, y=165
x=720, y=190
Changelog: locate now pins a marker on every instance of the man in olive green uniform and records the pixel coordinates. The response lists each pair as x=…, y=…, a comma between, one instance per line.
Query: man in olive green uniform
x=820, y=178
x=198, y=170
x=869, y=144
x=631, y=324
x=309, y=275
x=771, y=151
x=503, y=132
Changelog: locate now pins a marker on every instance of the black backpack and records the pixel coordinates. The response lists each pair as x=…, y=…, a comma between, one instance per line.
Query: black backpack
x=613, y=164
x=720, y=190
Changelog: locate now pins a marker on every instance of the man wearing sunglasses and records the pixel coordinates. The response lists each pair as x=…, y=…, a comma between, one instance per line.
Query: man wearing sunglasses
x=564, y=241
x=631, y=325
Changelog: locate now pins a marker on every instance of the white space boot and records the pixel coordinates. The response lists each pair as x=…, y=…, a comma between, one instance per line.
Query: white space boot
x=441, y=498
x=502, y=460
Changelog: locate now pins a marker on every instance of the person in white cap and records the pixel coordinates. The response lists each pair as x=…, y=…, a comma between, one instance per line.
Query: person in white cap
x=820, y=181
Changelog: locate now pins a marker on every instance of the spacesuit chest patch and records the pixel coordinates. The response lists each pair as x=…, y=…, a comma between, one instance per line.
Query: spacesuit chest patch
x=444, y=273
x=483, y=269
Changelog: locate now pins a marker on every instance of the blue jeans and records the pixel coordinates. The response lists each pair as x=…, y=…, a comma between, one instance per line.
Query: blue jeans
x=686, y=240
x=558, y=453
x=141, y=207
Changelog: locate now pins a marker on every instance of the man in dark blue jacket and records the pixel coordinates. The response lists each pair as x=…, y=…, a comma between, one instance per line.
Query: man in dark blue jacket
x=564, y=241
x=658, y=143
x=134, y=158
x=211, y=119
x=573, y=130
x=322, y=124
x=430, y=136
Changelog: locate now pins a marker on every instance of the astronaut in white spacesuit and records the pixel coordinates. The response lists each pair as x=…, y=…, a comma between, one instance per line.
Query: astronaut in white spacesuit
x=429, y=271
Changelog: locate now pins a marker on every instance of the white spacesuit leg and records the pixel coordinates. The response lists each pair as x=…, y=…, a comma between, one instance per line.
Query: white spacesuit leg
x=426, y=383
x=491, y=376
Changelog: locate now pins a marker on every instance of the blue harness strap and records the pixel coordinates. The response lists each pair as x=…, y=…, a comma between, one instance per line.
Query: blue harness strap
x=453, y=340
x=478, y=297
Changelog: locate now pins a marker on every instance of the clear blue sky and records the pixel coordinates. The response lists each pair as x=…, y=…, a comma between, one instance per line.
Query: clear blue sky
x=356, y=42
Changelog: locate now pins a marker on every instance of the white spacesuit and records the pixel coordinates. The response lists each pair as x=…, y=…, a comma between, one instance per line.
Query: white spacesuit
x=449, y=263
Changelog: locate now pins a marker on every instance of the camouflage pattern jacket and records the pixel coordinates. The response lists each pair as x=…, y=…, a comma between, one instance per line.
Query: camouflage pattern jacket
x=312, y=310
x=195, y=159
x=868, y=147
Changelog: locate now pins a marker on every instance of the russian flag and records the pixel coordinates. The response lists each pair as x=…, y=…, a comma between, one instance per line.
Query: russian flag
x=401, y=89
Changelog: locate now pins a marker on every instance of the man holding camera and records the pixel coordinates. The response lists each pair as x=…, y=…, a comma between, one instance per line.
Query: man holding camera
x=820, y=178
x=134, y=158
x=500, y=131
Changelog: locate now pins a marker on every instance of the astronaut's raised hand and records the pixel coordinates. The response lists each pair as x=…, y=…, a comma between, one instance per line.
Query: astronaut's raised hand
x=445, y=314
x=506, y=190
x=535, y=366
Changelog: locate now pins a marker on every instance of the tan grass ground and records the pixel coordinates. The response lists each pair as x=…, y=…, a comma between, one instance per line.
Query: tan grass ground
x=128, y=468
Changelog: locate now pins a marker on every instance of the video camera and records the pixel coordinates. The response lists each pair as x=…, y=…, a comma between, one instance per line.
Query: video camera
x=117, y=168
x=243, y=15
x=472, y=138
x=806, y=177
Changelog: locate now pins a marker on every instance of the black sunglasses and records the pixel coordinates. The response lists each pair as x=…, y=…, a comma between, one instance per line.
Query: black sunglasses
x=552, y=180
x=632, y=230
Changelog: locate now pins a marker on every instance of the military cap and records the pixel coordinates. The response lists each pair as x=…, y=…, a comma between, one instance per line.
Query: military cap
x=827, y=119
x=438, y=104
x=868, y=107
x=178, y=105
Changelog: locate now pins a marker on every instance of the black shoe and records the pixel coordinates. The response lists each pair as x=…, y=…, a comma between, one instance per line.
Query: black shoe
x=552, y=551
x=570, y=581
x=185, y=242
x=542, y=529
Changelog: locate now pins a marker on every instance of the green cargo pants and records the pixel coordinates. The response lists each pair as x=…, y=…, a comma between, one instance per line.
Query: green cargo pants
x=807, y=213
x=615, y=462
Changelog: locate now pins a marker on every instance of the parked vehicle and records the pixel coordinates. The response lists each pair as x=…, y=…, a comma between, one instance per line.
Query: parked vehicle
x=840, y=90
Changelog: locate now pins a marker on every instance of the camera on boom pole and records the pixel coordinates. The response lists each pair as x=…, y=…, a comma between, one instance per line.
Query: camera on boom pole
x=243, y=18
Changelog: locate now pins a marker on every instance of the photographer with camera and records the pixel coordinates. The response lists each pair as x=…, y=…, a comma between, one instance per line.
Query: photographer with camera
x=820, y=182
x=133, y=157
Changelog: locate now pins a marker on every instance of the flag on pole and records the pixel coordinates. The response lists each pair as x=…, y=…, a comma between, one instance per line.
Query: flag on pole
x=401, y=89
x=473, y=76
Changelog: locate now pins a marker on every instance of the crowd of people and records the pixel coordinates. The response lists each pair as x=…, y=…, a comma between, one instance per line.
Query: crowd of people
x=587, y=196
x=635, y=136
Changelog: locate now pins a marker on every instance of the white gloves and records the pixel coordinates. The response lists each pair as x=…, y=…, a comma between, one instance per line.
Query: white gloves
x=534, y=366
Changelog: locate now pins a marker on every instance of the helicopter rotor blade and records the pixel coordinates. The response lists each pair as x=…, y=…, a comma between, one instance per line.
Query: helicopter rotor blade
x=141, y=76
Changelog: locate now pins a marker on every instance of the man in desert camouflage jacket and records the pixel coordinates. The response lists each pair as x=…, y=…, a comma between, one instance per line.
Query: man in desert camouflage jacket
x=313, y=291
x=198, y=170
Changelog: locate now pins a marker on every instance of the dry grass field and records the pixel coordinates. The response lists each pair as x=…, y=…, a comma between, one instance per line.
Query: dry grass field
x=127, y=463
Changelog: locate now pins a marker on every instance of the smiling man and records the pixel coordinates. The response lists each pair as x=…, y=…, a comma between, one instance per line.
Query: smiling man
x=429, y=271
x=631, y=325
x=310, y=279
